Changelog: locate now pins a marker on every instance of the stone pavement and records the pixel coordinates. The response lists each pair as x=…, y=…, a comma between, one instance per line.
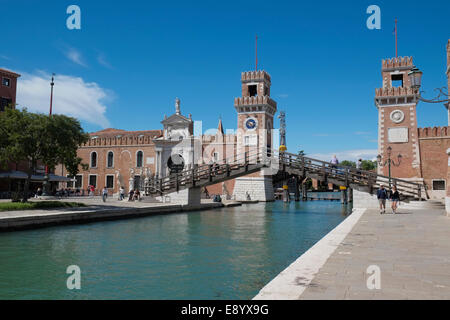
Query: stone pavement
x=412, y=250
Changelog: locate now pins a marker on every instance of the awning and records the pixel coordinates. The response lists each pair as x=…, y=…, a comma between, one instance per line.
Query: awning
x=22, y=175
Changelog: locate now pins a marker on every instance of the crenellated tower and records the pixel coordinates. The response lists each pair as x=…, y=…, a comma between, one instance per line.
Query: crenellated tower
x=397, y=121
x=256, y=111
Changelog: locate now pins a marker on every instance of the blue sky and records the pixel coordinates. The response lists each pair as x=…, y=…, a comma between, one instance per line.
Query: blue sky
x=131, y=59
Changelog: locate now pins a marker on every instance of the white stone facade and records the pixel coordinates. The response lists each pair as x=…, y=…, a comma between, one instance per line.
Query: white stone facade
x=258, y=188
x=191, y=196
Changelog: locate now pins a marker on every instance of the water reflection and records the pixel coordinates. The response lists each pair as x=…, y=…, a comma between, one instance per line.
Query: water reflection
x=229, y=253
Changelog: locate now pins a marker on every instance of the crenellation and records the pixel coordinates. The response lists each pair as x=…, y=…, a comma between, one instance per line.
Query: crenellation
x=394, y=92
x=259, y=75
x=431, y=132
x=397, y=62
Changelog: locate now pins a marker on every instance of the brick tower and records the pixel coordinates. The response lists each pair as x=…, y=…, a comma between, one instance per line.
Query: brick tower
x=256, y=111
x=397, y=120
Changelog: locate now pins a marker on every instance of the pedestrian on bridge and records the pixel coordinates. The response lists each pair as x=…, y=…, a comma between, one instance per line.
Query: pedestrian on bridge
x=382, y=196
x=334, y=162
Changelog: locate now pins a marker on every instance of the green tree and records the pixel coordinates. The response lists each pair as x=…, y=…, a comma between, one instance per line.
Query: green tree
x=348, y=163
x=38, y=138
x=368, y=165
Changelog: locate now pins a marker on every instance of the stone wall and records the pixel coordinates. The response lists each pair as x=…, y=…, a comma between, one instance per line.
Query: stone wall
x=362, y=199
x=259, y=188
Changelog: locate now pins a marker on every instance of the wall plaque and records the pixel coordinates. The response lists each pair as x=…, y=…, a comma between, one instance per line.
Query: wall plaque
x=398, y=135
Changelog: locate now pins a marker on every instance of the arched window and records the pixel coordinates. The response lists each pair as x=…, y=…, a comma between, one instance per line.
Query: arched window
x=94, y=160
x=110, y=163
x=139, y=158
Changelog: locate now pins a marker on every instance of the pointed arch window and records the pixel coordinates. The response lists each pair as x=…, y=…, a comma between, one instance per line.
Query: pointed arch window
x=110, y=161
x=94, y=159
x=139, y=159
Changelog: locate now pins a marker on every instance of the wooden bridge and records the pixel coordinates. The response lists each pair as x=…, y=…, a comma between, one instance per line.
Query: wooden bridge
x=286, y=163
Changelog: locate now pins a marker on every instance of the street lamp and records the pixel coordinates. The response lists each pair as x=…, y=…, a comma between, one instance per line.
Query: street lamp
x=46, y=183
x=389, y=162
x=415, y=77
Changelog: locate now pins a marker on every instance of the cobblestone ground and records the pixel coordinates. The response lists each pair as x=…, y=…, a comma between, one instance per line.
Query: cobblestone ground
x=412, y=250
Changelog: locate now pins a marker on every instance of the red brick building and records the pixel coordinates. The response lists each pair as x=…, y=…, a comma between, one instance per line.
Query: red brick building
x=8, y=88
x=423, y=150
x=126, y=158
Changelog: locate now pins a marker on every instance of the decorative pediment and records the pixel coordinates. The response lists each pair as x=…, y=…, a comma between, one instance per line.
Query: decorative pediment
x=176, y=119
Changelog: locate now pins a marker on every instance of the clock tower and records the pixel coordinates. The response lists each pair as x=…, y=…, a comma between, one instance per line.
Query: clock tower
x=256, y=111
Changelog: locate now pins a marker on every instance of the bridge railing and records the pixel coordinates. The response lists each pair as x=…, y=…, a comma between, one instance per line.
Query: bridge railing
x=349, y=175
x=191, y=176
x=265, y=157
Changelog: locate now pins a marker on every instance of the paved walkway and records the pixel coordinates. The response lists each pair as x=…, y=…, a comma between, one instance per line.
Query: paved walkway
x=97, y=210
x=412, y=250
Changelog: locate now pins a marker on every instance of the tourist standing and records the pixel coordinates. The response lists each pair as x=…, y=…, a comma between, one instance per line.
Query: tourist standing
x=359, y=164
x=395, y=198
x=382, y=196
x=121, y=193
x=104, y=194
x=130, y=195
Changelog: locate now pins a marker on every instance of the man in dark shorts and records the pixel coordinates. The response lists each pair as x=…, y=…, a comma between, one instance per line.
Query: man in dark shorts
x=382, y=196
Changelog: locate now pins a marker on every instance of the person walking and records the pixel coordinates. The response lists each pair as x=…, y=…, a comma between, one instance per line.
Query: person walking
x=104, y=194
x=121, y=193
x=382, y=196
x=395, y=198
x=334, y=163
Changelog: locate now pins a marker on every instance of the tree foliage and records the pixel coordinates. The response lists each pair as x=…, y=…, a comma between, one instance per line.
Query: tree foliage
x=348, y=163
x=34, y=138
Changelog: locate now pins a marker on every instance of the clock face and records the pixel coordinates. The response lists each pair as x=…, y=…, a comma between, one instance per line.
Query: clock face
x=250, y=124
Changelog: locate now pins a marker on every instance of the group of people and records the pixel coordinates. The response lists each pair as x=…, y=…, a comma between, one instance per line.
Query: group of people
x=383, y=195
x=133, y=195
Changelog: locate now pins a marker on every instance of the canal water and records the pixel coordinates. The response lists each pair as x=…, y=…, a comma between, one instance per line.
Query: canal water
x=228, y=253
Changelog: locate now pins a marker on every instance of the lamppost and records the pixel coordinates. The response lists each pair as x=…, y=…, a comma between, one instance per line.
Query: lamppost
x=415, y=77
x=389, y=162
x=46, y=183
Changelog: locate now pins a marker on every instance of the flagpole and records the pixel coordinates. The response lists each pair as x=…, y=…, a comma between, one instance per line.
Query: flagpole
x=256, y=47
x=396, y=40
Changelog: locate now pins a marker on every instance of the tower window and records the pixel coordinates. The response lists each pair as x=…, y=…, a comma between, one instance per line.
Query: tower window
x=397, y=80
x=252, y=90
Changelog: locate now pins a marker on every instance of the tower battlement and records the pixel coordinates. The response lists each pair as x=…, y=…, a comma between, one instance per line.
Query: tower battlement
x=260, y=75
x=433, y=132
x=399, y=62
x=394, y=92
x=254, y=101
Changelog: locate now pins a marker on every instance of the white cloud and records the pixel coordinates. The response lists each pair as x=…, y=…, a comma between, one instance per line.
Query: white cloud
x=4, y=57
x=72, y=96
x=75, y=56
x=363, y=133
x=352, y=155
x=101, y=59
